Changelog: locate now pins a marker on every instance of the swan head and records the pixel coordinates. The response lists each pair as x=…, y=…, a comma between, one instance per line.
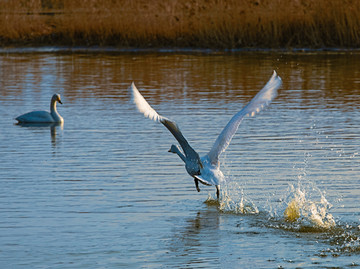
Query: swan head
x=174, y=149
x=56, y=98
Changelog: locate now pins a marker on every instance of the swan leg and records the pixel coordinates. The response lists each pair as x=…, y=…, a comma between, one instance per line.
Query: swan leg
x=197, y=184
x=217, y=191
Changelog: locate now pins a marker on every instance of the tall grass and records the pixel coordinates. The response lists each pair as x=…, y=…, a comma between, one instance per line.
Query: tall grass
x=182, y=23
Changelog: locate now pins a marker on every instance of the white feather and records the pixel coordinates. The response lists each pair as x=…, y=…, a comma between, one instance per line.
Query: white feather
x=207, y=169
x=260, y=101
x=142, y=105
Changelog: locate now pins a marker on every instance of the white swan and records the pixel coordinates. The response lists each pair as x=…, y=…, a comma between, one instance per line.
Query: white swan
x=43, y=116
x=207, y=169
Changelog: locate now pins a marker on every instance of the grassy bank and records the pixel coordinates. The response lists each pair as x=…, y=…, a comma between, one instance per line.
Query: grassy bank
x=182, y=23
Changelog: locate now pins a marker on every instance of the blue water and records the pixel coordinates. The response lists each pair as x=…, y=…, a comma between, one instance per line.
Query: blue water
x=102, y=191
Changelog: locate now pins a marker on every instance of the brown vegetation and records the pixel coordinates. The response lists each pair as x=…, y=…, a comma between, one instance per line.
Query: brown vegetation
x=182, y=23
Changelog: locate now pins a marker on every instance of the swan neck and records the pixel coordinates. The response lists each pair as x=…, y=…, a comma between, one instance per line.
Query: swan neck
x=53, y=106
x=181, y=155
x=54, y=113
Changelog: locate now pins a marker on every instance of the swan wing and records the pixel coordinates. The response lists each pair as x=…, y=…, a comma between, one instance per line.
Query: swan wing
x=144, y=107
x=260, y=101
x=35, y=117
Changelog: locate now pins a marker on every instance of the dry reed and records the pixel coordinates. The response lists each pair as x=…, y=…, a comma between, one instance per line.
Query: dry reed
x=182, y=23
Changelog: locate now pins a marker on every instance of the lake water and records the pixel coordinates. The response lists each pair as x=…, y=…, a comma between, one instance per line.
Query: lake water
x=102, y=191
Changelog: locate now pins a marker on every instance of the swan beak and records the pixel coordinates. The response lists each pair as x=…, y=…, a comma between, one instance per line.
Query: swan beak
x=169, y=150
x=60, y=102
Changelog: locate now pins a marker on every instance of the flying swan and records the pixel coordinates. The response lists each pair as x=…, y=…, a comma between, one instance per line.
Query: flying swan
x=206, y=170
x=43, y=116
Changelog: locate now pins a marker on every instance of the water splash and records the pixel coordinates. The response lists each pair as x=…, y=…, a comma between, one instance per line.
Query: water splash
x=304, y=211
x=233, y=200
x=305, y=206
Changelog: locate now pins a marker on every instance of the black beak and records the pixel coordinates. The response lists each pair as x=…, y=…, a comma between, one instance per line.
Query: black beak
x=60, y=102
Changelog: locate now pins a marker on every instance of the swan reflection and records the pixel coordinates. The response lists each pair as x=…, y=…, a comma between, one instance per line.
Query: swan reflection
x=196, y=239
x=54, y=127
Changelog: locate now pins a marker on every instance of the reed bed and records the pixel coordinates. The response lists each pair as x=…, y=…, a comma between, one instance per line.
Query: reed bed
x=224, y=24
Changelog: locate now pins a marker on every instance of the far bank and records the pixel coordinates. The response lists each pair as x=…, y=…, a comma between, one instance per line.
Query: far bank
x=174, y=23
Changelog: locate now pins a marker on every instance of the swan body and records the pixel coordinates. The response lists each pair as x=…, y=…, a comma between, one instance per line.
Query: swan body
x=206, y=169
x=43, y=116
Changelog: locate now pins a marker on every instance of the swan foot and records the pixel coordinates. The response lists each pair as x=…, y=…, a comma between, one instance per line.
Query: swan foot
x=197, y=184
x=217, y=191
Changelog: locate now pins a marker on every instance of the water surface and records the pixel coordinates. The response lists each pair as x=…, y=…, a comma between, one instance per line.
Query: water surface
x=102, y=190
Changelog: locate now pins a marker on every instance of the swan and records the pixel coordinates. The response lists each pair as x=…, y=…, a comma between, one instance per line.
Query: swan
x=206, y=169
x=43, y=116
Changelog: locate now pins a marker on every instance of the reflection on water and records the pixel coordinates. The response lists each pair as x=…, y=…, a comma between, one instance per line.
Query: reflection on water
x=325, y=79
x=187, y=243
x=52, y=126
x=102, y=190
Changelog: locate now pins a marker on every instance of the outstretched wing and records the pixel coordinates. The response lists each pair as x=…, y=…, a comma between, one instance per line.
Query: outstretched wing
x=260, y=101
x=143, y=106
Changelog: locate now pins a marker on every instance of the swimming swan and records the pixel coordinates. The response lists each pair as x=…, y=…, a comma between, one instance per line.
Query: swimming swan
x=206, y=170
x=43, y=116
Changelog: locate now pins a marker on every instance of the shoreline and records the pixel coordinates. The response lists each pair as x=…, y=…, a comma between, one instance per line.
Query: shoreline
x=112, y=49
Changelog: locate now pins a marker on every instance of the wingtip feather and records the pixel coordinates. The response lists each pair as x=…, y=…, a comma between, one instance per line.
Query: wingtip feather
x=142, y=105
x=265, y=96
